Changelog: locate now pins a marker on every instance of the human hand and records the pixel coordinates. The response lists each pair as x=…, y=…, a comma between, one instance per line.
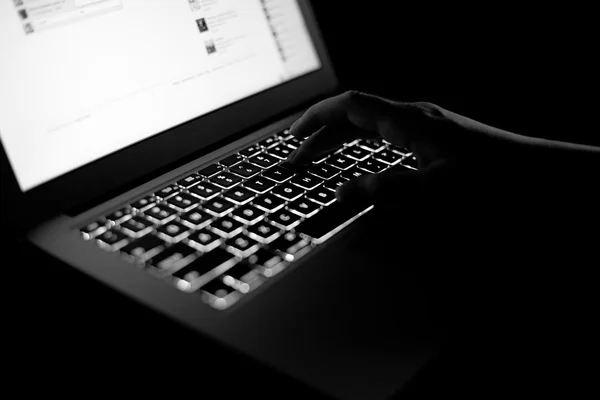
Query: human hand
x=445, y=144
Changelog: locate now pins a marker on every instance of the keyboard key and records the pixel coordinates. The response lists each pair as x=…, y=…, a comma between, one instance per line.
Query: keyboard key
x=356, y=153
x=205, y=263
x=167, y=191
x=232, y=160
x=289, y=243
x=225, y=180
x=245, y=170
x=94, y=226
x=268, y=202
x=285, y=134
x=267, y=262
x=183, y=201
x=242, y=245
x=305, y=208
x=250, y=151
x=330, y=220
x=292, y=168
x=219, y=294
x=263, y=160
x=269, y=142
x=410, y=162
x=259, y=184
x=294, y=142
x=204, y=240
x=248, y=214
x=284, y=219
x=281, y=151
x=388, y=157
x=211, y=170
x=112, y=240
x=353, y=172
x=398, y=149
x=161, y=213
x=144, y=203
x=372, y=145
x=173, y=258
x=93, y=229
x=137, y=226
x=242, y=277
x=189, y=180
x=278, y=174
x=196, y=218
x=306, y=181
x=203, y=269
x=335, y=183
x=324, y=171
x=239, y=195
x=144, y=248
x=263, y=232
x=372, y=166
x=322, y=159
x=264, y=258
x=340, y=161
x=288, y=191
x=205, y=190
x=227, y=227
x=351, y=143
x=218, y=207
x=173, y=231
x=120, y=215
x=321, y=196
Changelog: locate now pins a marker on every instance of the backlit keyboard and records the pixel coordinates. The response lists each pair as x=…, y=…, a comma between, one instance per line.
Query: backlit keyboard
x=225, y=229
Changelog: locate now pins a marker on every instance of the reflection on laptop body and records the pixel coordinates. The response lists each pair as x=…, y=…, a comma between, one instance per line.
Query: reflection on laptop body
x=100, y=95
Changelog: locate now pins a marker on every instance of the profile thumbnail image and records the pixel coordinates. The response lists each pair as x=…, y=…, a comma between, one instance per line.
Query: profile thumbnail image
x=210, y=46
x=28, y=28
x=194, y=5
x=23, y=14
x=202, y=25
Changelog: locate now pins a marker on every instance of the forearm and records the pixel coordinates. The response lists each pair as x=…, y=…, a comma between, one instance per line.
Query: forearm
x=531, y=148
x=571, y=160
x=524, y=168
x=573, y=157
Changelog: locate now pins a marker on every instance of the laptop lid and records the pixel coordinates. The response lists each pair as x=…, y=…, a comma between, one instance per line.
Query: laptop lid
x=98, y=94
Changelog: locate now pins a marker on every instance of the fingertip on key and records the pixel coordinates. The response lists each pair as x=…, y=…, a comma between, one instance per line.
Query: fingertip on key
x=292, y=157
x=292, y=128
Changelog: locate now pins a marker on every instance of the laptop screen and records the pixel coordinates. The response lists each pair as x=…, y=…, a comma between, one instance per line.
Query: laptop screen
x=81, y=79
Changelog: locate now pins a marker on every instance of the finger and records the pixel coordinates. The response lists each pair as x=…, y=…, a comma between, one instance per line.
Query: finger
x=339, y=119
x=361, y=110
x=325, y=140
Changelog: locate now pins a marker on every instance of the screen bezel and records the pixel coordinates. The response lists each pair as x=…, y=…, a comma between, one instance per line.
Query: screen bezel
x=94, y=180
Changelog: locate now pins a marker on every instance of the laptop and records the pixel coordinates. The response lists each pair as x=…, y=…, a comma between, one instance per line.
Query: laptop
x=155, y=135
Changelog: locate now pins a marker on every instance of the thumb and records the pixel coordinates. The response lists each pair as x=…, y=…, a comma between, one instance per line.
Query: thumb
x=395, y=184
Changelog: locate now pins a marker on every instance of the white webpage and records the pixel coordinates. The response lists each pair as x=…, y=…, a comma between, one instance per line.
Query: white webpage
x=80, y=79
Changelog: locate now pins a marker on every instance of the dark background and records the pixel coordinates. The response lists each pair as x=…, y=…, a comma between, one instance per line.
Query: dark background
x=528, y=71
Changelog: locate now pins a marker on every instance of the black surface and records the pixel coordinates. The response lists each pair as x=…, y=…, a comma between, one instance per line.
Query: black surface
x=74, y=337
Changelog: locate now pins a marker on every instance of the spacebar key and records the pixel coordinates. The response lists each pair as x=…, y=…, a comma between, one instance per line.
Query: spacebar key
x=331, y=220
